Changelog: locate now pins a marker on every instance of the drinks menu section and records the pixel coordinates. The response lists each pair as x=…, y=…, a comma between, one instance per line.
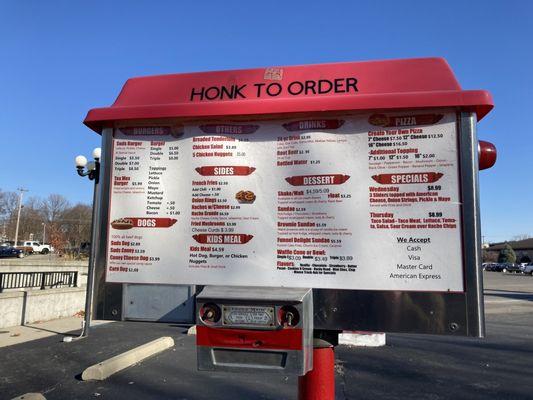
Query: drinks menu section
x=357, y=202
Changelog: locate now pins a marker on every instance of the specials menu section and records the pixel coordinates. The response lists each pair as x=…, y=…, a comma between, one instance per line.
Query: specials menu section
x=366, y=202
x=414, y=199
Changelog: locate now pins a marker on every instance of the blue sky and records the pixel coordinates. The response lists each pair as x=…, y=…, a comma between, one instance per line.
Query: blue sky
x=58, y=59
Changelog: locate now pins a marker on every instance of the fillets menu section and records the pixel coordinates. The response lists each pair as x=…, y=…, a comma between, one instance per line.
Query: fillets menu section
x=366, y=202
x=223, y=219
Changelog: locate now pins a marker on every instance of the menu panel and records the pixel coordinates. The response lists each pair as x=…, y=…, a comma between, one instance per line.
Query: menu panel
x=358, y=202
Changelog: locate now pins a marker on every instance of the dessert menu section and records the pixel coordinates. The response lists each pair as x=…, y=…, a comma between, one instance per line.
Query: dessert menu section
x=358, y=202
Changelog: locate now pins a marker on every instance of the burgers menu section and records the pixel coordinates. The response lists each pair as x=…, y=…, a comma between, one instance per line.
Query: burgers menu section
x=145, y=203
x=358, y=202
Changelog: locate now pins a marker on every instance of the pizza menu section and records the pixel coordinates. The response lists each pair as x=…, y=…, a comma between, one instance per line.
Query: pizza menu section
x=413, y=162
x=354, y=202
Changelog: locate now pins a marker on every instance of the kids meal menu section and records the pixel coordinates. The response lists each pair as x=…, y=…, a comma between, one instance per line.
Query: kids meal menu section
x=357, y=202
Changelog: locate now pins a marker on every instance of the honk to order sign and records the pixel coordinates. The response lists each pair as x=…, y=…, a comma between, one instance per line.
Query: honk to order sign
x=274, y=89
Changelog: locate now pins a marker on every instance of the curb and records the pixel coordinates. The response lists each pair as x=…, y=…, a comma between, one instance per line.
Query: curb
x=30, y=396
x=104, y=369
x=362, y=339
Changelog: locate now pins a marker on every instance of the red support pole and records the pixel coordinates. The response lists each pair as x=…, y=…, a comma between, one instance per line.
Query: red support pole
x=319, y=383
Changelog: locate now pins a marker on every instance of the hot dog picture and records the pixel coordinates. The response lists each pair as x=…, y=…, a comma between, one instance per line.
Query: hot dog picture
x=122, y=223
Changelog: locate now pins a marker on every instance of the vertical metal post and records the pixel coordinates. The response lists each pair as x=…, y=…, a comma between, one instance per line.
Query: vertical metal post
x=469, y=160
x=91, y=266
x=107, y=301
x=21, y=190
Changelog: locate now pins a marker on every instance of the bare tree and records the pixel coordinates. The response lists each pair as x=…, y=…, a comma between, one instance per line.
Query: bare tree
x=8, y=203
x=67, y=227
x=77, y=224
x=489, y=256
x=31, y=219
x=8, y=207
x=522, y=236
x=58, y=239
x=54, y=206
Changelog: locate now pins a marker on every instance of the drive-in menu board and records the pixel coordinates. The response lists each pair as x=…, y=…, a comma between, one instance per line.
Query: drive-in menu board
x=355, y=202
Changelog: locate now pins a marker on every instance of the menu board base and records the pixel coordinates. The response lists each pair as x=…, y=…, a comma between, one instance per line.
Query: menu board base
x=398, y=312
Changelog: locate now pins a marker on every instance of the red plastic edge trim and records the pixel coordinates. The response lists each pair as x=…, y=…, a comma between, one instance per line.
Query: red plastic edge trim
x=283, y=339
x=479, y=101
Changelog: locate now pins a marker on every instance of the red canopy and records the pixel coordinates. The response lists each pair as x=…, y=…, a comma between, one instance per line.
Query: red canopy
x=371, y=85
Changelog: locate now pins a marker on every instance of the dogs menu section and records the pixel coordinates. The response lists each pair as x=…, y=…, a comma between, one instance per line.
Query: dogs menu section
x=356, y=202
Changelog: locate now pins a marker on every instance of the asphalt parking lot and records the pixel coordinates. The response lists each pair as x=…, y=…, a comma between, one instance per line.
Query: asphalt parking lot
x=409, y=366
x=509, y=282
x=508, y=293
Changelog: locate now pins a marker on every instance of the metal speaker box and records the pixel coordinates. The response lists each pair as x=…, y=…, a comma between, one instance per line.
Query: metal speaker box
x=255, y=328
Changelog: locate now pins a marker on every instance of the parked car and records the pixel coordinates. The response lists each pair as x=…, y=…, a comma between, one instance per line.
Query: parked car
x=491, y=267
x=528, y=269
x=9, y=251
x=38, y=247
x=502, y=267
x=510, y=268
x=24, y=249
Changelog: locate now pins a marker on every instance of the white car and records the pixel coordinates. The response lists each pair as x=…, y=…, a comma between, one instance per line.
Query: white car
x=528, y=269
x=38, y=247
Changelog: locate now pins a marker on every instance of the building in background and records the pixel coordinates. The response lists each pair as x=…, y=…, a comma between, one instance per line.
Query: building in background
x=522, y=248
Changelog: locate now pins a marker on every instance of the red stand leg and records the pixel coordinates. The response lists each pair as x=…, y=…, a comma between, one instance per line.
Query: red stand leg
x=319, y=383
